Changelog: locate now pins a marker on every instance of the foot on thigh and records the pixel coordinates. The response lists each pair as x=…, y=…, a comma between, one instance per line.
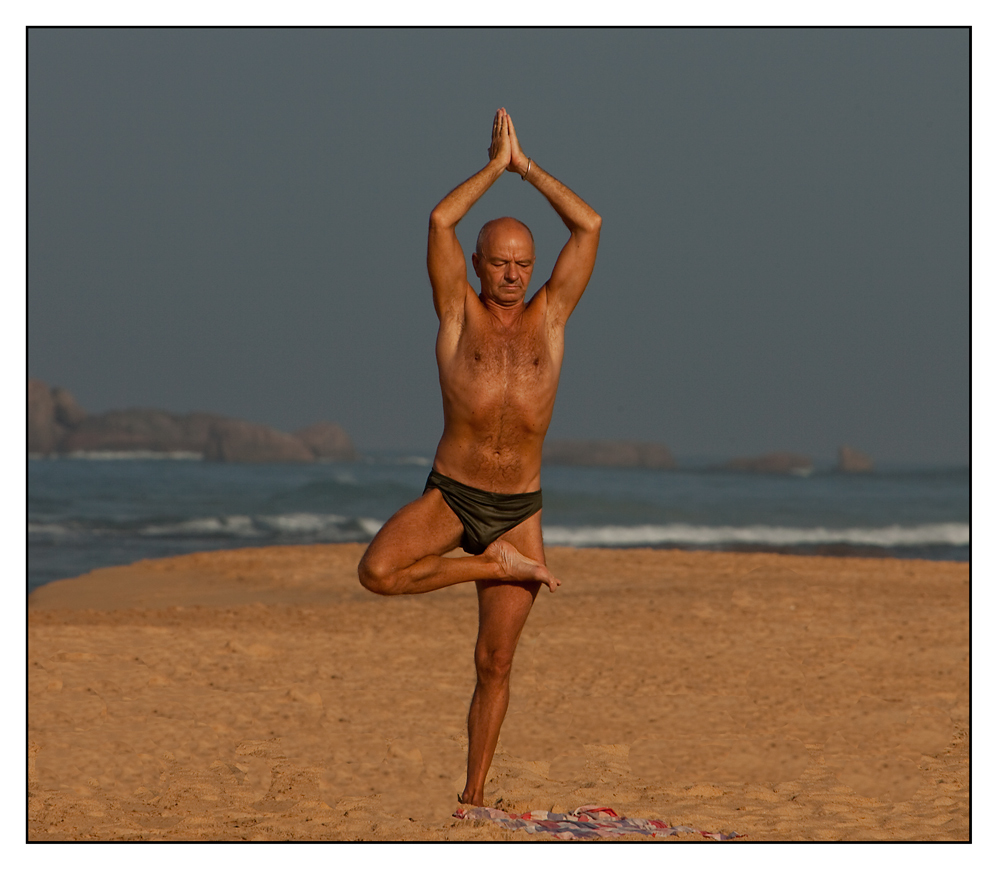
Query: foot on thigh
x=516, y=566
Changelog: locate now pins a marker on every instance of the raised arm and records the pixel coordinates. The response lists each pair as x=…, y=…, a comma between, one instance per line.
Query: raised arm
x=575, y=263
x=444, y=258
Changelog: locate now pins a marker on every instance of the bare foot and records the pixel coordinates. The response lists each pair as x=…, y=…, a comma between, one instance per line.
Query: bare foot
x=516, y=566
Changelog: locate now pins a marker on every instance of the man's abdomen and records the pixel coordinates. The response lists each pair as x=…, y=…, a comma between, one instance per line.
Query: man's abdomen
x=498, y=397
x=494, y=448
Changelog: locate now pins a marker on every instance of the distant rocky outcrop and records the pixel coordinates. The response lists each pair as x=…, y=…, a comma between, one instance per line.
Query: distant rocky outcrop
x=58, y=425
x=238, y=441
x=139, y=429
x=68, y=412
x=853, y=462
x=773, y=463
x=44, y=432
x=612, y=454
x=327, y=441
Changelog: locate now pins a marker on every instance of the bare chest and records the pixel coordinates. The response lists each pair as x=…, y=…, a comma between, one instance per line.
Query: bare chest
x=499, y=387
x=495, y=369
x=507, y=358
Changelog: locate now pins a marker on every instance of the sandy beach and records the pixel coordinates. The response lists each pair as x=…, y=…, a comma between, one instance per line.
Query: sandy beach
x=262, y=694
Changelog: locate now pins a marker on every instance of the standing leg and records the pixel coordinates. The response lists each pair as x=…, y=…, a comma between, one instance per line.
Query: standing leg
x=503, y=608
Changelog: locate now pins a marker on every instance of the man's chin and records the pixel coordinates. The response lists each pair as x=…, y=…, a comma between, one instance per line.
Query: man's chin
x=507, y=298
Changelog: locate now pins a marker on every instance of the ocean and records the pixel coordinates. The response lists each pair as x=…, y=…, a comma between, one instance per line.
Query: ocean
x=108, y=509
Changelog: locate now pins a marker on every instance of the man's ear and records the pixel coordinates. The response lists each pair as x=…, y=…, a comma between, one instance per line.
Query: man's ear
x=474, y=263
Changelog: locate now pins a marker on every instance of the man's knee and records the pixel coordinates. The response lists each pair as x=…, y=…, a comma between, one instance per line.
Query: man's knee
x=493, y=665
x=376, y=576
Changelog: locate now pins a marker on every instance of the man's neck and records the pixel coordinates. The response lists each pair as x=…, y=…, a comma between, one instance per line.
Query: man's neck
x=507, y=314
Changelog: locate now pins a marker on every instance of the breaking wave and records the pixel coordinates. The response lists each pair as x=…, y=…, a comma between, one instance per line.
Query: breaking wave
x=679, y=534
x=337, y=528
x=187, y=455
x=303, y=527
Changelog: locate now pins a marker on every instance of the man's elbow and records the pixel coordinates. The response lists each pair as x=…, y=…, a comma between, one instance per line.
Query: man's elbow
x=439, y=220
x=592, y=224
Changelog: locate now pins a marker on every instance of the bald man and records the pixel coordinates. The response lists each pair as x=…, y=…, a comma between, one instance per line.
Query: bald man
x=499, y=358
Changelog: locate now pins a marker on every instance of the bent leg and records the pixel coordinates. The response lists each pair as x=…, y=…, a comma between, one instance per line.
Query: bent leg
x=407, y=555
x=502, y=612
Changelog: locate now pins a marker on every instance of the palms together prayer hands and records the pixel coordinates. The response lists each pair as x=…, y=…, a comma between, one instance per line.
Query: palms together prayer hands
x=505, y=147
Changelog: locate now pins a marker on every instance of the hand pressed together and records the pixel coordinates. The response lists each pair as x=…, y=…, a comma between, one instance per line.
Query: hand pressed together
x=505, y=147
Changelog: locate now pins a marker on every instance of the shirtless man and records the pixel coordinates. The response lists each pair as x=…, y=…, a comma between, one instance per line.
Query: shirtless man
x=499, y=359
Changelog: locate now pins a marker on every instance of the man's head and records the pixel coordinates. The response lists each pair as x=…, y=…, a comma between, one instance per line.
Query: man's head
x=504, y=260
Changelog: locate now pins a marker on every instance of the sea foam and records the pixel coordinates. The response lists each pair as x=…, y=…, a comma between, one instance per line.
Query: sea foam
x=335, y=527
x=187, y=455
x=930, y=534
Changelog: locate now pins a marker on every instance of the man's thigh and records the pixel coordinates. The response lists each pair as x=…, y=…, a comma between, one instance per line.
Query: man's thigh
x=425, y=527
x=527, y=538
x=503, y=607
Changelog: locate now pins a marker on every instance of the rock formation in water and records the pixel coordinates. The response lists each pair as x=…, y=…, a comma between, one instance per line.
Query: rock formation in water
x=43, y=431
x=138, y=429
x=853, y=462
x=772, y=463
x=238, y=441
x=58, y=425
x=327, y=441
x=612, y=454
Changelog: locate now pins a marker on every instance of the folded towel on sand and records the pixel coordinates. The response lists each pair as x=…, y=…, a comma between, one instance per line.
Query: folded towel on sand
x=586, y=823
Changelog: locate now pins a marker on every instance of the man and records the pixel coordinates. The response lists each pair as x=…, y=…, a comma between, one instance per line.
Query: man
x=499, y=359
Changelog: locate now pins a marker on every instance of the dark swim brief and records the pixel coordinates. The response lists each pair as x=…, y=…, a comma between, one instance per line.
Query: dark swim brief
x=486, y=516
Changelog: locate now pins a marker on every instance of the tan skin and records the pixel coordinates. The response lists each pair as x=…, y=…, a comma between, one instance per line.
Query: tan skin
x=499, y=358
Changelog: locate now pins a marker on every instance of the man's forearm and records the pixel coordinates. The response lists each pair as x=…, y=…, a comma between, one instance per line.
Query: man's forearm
x=571, y=208
x=459, y=201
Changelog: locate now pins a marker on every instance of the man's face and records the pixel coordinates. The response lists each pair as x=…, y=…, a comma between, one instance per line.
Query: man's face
x=506, y=263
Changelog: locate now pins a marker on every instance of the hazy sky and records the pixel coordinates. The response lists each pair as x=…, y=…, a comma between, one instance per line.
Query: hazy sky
x=235, y=221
